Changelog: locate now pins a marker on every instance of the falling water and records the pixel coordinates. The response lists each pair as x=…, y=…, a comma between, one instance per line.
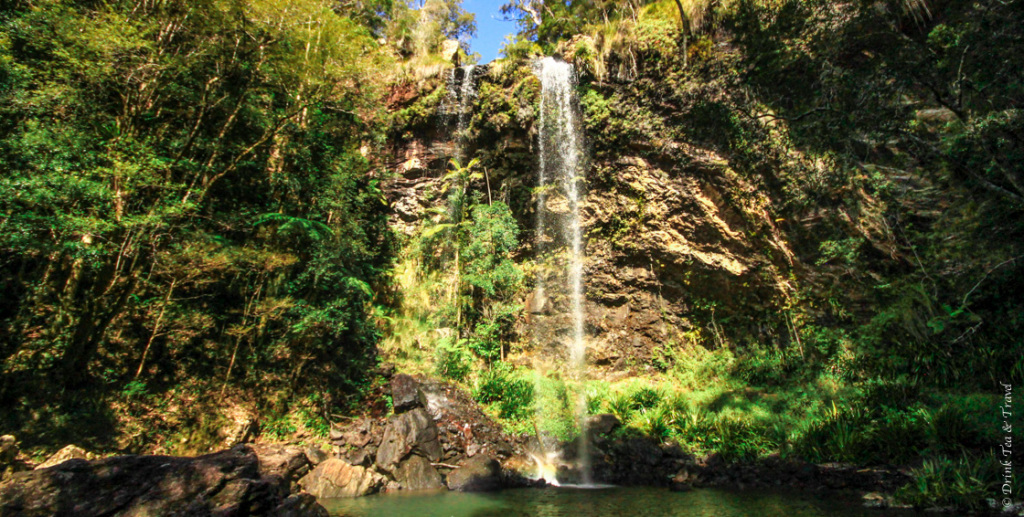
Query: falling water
x=561, y=172
x=458, y=104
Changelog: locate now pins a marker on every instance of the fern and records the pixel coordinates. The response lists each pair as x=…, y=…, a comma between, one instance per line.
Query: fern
x=289, y=226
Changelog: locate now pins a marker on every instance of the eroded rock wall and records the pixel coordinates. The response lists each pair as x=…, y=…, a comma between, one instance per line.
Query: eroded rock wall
x=676, y=240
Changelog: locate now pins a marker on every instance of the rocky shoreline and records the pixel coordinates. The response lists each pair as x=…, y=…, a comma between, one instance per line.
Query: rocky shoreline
x=437, y=438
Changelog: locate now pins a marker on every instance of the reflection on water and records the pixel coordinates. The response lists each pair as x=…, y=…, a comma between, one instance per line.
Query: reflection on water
x=629, y=502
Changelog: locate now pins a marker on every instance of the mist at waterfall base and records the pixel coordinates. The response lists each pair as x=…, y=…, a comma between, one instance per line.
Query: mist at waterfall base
x=631, y=501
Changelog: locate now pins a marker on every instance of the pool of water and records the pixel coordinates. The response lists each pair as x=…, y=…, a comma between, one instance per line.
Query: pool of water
x=616, y=501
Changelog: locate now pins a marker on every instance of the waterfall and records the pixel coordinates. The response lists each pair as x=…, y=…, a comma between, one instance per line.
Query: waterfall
x=561, y=172
x=461, y=86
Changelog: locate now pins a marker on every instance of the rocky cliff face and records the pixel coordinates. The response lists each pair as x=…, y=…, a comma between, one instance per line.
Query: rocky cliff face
x=677, y=241
x=672, y=246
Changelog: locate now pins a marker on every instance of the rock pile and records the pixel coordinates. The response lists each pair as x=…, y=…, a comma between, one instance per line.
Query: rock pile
x=231, y=482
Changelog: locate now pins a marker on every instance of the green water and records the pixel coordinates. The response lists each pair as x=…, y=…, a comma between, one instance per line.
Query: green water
x=628, y=502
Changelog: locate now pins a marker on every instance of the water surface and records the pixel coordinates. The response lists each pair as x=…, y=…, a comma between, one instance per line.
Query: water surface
x=619, y=501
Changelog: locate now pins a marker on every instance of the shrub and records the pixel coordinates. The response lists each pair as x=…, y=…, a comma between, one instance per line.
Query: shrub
x=452, y=359
x=656, y=422
x=765, y=367
x=644, y=398
x=897, y=392
x=621, y=406
x=970, y=422
x=964, y=483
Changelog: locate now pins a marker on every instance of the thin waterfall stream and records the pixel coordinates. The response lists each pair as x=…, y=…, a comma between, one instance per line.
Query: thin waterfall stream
x=460, y=101
x=561, y=173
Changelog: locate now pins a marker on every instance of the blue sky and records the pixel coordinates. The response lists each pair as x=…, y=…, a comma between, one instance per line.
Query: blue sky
x=490, y=29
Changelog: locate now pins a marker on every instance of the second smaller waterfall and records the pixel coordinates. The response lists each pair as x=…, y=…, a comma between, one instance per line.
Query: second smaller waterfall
x=458, y=105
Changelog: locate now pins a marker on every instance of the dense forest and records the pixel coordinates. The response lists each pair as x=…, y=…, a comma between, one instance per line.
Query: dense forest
x=198, y=226
x=189, y=201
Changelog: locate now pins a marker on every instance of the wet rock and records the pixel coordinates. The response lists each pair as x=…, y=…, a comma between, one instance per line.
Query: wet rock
x=224, y=483
x=409, y=432
x=404, y=393
x=874, y=500
x=70, y=452
x=300, y=505
x=477, y=474
x=336, y=478
x=416, y=473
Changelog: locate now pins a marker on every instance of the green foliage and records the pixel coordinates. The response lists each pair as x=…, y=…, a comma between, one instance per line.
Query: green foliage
x=767, y=367
x=474, y=242
x=962, y=483
x=513, y=393
x=278, y=428
x=844, y=252
x=186, y=197
x=452, y=359
x=555, y=402
x=970, y=422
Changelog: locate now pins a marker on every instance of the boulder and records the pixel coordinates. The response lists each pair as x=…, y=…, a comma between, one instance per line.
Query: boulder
x=336, y=478
x=223, y=483
x=363, y=457
x=71, y=452
x=300, y=505
x=288, y=463
x=316, y=454
x=477, y=474
x=405, y=434
x=602, y=424
x=358, y=434
x=416, y=473
x=404, y=393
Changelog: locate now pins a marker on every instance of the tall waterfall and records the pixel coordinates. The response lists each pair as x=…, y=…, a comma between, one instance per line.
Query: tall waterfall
x=562, y=171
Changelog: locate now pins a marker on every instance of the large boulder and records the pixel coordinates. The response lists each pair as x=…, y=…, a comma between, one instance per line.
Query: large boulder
x=464, y=429
x=477, y=474
x=223, y=483
x=405, y=393
x=600, y=426
x=416, y=473
x=336, y=478
x=405, y=434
